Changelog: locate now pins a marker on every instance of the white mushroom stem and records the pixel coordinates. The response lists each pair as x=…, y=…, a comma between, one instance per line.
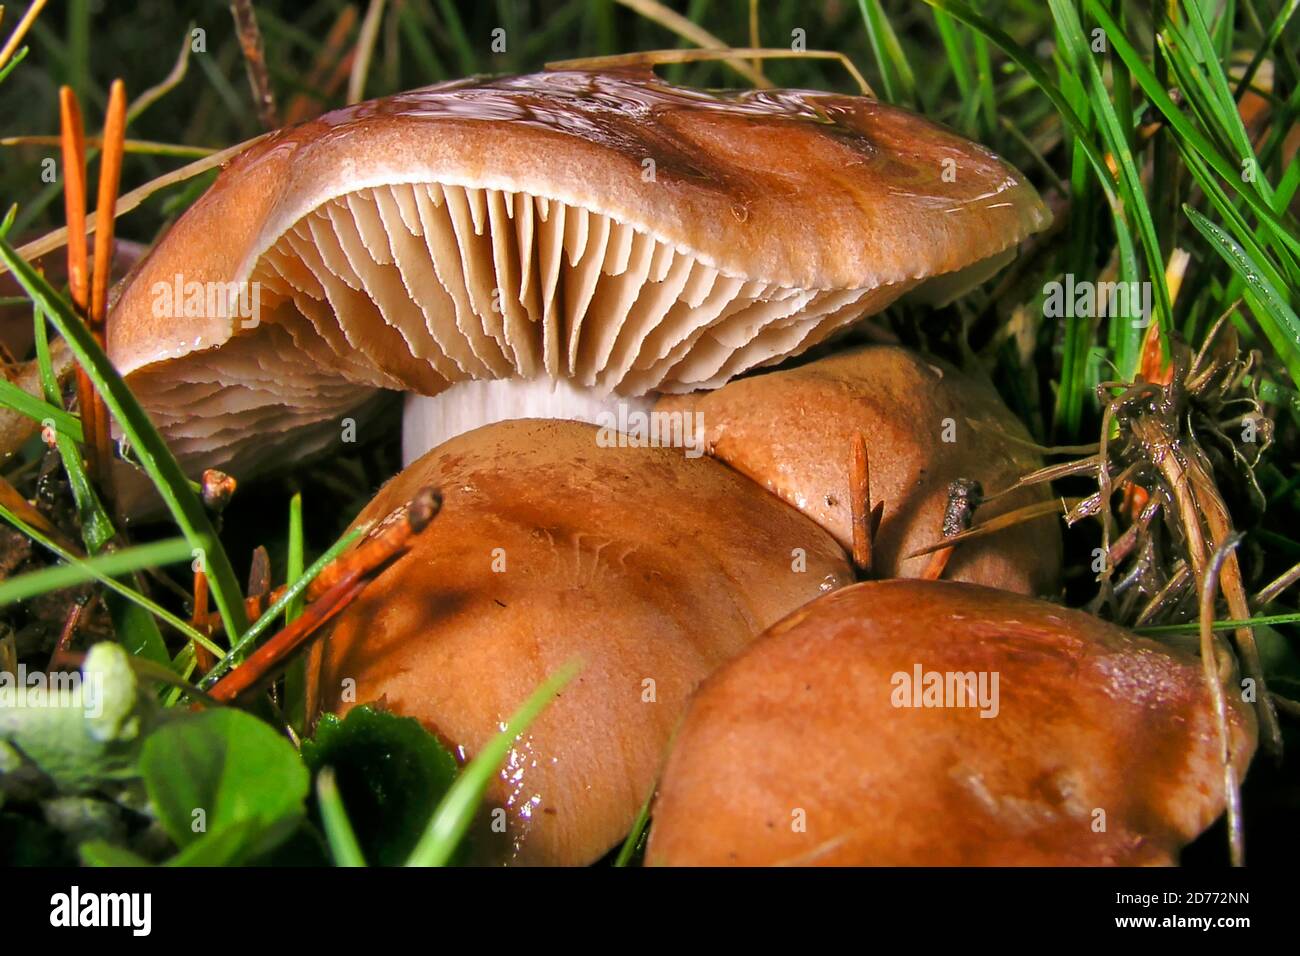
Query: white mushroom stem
x=429, y=421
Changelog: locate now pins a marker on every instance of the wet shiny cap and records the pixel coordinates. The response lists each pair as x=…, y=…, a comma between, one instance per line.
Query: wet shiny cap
x=606, y=228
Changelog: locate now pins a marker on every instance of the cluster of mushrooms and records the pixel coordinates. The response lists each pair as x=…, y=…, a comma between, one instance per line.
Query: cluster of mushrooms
x=526, y=257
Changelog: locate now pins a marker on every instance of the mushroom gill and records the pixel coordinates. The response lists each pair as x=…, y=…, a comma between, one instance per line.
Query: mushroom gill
x=607, y=231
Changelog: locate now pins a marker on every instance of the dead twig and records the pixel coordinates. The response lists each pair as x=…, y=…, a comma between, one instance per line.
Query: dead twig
x=1039, y=509
x=342, y=581
x=1270, y=592
x=652, y=58
x=250, y=41
x=364, y=50
x=692, y=32
x=20, y=31
x=1210, y=664
x=58, y=238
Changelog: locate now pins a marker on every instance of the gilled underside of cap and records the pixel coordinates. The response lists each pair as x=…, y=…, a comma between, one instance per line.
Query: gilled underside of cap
x=415, y=287
x=507, y=230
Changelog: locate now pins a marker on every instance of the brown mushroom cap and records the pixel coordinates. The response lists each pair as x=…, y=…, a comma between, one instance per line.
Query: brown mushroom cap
x=607, y=228
x=645, y=564
x=790, y=431
x=802, y=728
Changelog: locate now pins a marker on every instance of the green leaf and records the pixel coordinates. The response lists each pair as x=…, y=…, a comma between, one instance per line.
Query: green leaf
x=390, y=773
x=101, y=853
x=235, y=843
x=223, y=783
x=81, y=734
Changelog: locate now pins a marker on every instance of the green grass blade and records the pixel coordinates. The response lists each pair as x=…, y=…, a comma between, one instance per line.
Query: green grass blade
x=13, y=62
x=131, y=595
x=1232, y=217
x=11, y=396
x=1128, y=339
x=1280, y=23
x=896, y=77
x=296, y=560
x=1278, y=320
x=295, y=677
x=278, y=607
x=1028, y=62
x=454, y=33
x=1224, y=113
x=633, y=841
x=96, y=527
x=113, y=563
x=1178, y=120
x=340, y=836
x=154, y=454
x=413, y=32
x=132, y=613
x=1191, y=627
x=452, y=818
x=952, y=37
x=988, y=96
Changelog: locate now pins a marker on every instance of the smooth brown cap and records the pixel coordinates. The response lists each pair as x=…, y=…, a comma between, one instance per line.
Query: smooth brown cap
x=1103, y=748
x=650, y=567
x=791, y=431
x=604, y=227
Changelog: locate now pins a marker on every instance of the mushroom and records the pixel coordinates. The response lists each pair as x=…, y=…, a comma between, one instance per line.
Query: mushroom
x=551, y=244
x=650, y=567
x=914, y=722
x=925, y=425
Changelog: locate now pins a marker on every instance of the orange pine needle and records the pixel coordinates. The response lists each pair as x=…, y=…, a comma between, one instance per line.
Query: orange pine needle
x=202, y=656
x=938, y=562
x=110, y=176
x=73, y=136
x=267, y=661
x=860, y=503
x=335, y=588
